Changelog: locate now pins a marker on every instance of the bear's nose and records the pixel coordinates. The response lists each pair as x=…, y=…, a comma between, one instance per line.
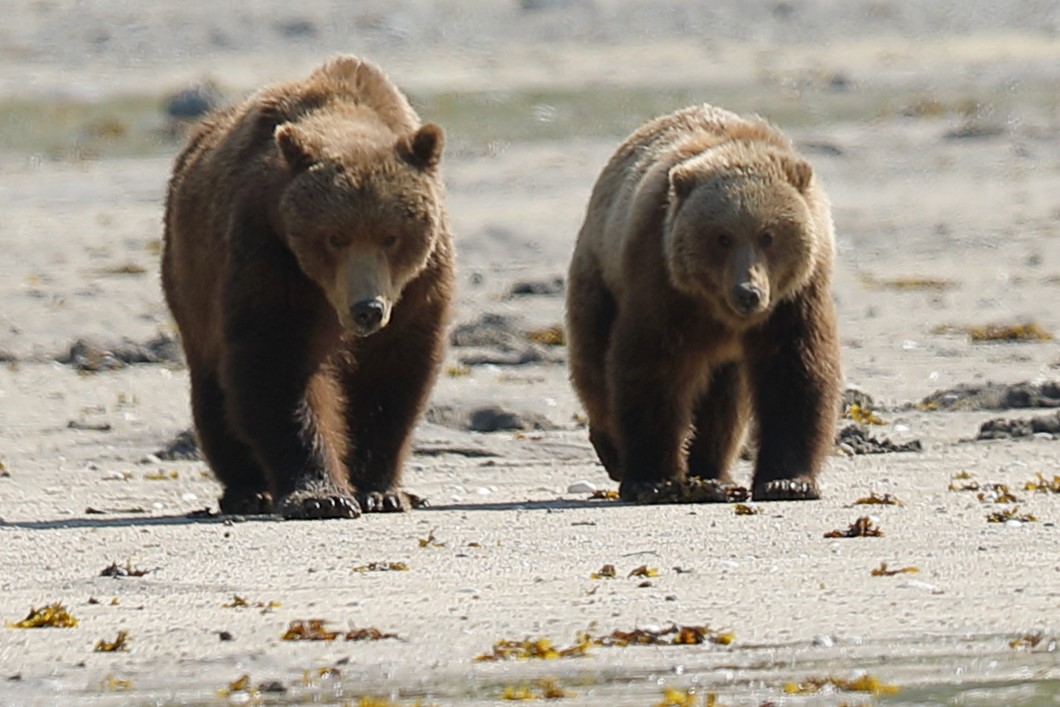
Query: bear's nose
x=747, y=297
x=367, y=314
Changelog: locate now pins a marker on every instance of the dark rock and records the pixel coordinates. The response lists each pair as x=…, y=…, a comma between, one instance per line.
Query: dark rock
x=89, y=426
x=87, y=355
x=194, y=102
x=852, y=395
x=297, y=29
x=1001, y=428
x=839, y=83
x=489, y=418
x=440, y=450
x=551, y=287
x=500, y=342
x=531, y=354
x=692, y=490
x=536, y=5
x=975, y=130
x=857, y=440
x=497, y=419
x=822, y=147
x=183, y=447
x=994, y=396
x=493, y=330
x=494, y=419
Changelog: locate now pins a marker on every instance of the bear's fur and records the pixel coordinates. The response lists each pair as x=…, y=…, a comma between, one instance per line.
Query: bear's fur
x=309, y=265
x=698, y=298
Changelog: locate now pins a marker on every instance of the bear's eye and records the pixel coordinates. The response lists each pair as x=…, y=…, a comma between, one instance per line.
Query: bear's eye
x=724, y=240
x=766, y=240
x=390, y=241
x=336, y=242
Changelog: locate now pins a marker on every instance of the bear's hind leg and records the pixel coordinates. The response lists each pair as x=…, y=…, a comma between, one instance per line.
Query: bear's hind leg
x=719, y=421
x=232, y=461
x=590, y=318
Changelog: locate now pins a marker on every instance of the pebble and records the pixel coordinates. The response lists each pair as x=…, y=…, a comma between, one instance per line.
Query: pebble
x=581, y=486
x=918, y=584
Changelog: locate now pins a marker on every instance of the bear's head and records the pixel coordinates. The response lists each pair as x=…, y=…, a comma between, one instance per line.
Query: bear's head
x=360, y=215
x=740, y=233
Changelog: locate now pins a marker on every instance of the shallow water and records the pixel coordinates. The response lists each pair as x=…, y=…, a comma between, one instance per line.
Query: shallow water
x=971, y=671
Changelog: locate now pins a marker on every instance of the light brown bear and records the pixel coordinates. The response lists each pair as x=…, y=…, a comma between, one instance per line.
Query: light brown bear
x=309, y=265
x=698, y=296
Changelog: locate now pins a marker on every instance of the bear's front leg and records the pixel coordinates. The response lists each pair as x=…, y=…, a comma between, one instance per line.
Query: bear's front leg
x=386, y=382
x=652, y=400
x=288, y=411
x=796, y=377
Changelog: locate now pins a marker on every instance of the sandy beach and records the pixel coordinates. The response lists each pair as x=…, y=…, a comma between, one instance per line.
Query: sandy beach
x=936, y=131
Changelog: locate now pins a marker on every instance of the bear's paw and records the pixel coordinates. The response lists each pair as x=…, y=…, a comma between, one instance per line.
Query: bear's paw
x=318, y=504
x=800, y=488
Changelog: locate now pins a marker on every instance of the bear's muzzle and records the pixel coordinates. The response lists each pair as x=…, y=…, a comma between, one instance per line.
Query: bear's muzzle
x=368, y=316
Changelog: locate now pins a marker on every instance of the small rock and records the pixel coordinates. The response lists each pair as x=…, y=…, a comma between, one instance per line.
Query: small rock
x=193, y=102
x=854, y=439
x=994, y=396
x=496, y=419
x=297, y=29
x=183, y=447
x=553, y=286
x=975, y=130
x=499, y=341
x=88, y=355
x=581, y=486
x=853, y=395
x=1002, y=428
x=920, y=584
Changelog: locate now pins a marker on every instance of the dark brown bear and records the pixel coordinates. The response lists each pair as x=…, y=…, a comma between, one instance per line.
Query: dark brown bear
x=309, y=265
x=698, y=297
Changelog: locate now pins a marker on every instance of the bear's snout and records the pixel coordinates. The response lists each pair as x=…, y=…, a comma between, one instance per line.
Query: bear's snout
x=367, y=316
x=747, y=298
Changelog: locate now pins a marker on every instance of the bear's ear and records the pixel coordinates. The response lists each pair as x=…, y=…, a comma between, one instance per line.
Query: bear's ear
x=422, y=149
x=682, y=182
x=295, y=147
x=798, y=171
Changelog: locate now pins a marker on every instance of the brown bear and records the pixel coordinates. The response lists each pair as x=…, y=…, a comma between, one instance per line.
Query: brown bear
x=698, y=297
x=309, y=266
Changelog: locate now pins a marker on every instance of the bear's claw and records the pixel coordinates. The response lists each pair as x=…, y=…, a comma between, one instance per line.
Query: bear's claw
x=390, y=501
x=801, y=488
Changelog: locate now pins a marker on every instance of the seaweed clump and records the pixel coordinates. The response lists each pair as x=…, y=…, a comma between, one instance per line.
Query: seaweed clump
x=50, y=616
